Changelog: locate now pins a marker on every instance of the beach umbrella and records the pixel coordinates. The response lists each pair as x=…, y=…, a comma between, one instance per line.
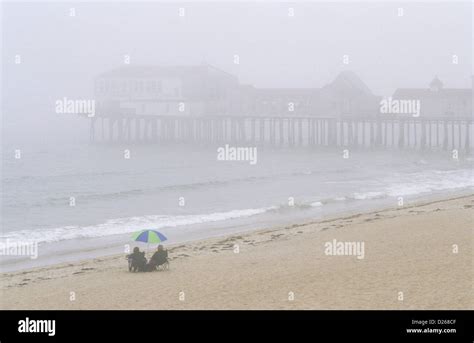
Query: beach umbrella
x=149, y=236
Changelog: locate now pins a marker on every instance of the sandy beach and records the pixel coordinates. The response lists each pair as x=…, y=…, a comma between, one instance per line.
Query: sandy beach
x=415, y=257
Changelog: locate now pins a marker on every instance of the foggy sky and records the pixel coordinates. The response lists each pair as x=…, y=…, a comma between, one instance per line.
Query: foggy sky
x=61, y=55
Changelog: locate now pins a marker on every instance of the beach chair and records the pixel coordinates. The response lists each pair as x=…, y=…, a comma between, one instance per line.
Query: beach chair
x=135, y=265
x=164, y=266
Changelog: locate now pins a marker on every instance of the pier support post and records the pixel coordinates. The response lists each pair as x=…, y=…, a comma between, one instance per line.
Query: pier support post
x=280, y=124
x=262, y=131
x=253, y=124
x=467, y=144
x=378, y=140
x=92, y=130
x=111, y=129
x=401, y=133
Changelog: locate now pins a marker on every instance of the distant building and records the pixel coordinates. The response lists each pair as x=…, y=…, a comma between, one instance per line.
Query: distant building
x=347, y=95
x=177, y=90
x=283, y=101
x=205, y=90
x=437, y=101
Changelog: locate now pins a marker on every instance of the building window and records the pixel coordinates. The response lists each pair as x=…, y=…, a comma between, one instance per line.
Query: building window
x=100, y=86
x=149, y=86
x=114, y=87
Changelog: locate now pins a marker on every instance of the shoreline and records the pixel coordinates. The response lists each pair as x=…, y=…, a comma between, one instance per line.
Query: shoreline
x=270, y=254
x=107, y=246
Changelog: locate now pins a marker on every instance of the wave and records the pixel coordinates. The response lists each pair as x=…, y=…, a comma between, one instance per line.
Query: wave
x=127, y=225
x=84, y=197
x=414, y=184
x=397, y=184
x=368, y=195
x=431, y=181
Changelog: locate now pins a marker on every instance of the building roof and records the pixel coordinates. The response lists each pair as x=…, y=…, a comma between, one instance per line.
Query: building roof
x=285, y=92
x=147, y=71
x=435, y=90
x=348, y=81
x=419, y=93
x=436, y=83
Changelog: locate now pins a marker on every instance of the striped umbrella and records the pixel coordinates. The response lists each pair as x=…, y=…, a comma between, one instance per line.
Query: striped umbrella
x=149, y=236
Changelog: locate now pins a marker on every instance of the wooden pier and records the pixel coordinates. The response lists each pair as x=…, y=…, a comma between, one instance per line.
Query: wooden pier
x=390, y=132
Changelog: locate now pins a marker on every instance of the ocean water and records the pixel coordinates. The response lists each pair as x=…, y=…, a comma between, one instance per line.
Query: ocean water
x=115, y=196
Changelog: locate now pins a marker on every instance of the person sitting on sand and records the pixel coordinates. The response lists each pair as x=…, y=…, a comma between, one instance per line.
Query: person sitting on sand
x=137, y=260
x=159, y=257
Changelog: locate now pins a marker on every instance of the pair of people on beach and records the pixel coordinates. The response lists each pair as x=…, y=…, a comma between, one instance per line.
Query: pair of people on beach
x=138, y=262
